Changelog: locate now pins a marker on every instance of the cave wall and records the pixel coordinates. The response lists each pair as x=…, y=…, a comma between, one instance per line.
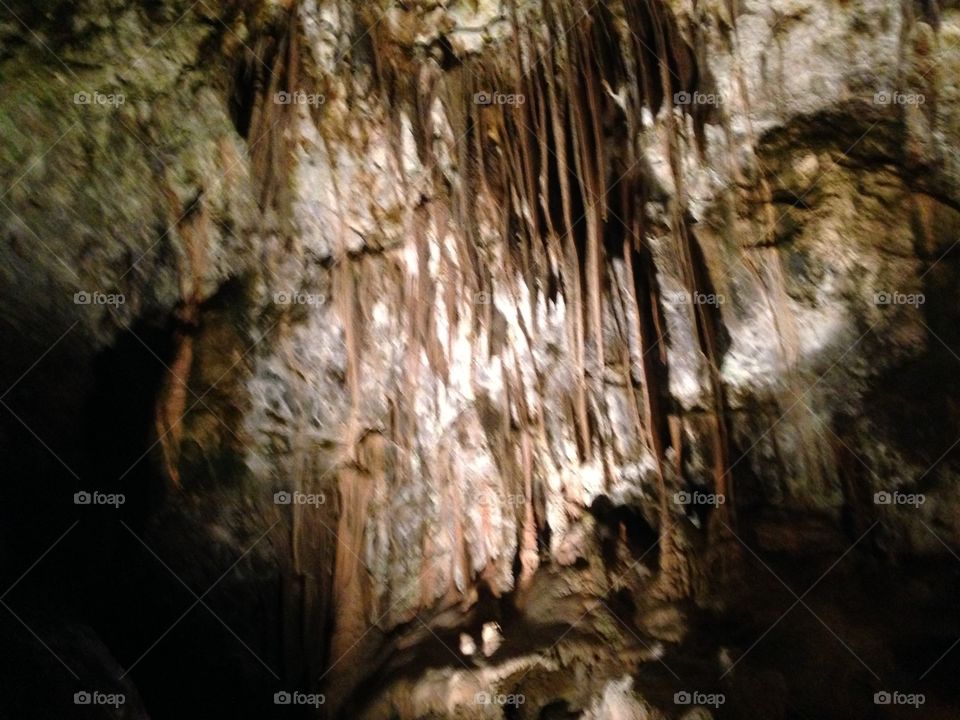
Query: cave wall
x=464, y=275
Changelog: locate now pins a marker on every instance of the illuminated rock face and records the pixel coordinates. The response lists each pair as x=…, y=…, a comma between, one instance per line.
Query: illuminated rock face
x=501, y=341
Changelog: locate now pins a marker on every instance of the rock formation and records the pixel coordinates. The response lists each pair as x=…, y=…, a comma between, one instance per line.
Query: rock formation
x=520, y=359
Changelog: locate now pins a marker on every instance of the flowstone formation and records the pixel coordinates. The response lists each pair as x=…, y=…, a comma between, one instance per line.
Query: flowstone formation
x=474, y=359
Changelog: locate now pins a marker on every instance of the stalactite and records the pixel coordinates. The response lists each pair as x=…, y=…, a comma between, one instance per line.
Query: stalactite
x=171, y=409
x=540, y=173
x=271, y=121
x=574, y=73
x=574, y=296
x=670, y=54
x=351, y=591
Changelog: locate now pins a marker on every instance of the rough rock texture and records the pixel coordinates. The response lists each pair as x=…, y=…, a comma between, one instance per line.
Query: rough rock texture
x=593, y=321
